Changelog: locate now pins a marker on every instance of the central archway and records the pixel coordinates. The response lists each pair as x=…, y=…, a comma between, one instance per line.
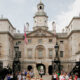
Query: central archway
x=41, y=68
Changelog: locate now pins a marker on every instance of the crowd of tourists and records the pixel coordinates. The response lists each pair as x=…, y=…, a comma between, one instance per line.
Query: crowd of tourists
x=24, y=75
x=65, y=76
x=29, y=75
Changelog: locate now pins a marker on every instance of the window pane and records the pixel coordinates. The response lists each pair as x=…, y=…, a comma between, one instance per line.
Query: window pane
x=50, y=40
x=19, y=42
x=40, y=53
x=61, y=53
x=40, y=40
x=30, y=53
x=50, y=53
x=61, y=42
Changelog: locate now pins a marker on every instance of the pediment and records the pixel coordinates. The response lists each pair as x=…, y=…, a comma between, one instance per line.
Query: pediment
x=40, y=33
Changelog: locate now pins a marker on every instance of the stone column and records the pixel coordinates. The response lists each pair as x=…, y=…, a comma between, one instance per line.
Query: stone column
x=47, y=70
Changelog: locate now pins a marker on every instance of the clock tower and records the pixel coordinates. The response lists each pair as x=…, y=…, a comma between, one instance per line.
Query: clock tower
x=40, y=18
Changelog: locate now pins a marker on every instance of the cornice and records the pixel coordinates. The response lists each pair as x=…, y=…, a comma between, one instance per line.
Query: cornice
x=8, y=22
x=74, y=31
x=40, y=16
x=72, y=20
x=6, y=32
x=17, y=38
x=40, y=36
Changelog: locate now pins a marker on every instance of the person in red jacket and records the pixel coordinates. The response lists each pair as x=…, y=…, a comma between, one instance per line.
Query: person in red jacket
x=75, y=76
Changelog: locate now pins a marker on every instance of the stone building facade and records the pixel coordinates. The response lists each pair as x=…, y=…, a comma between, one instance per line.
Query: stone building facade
x=40, y=47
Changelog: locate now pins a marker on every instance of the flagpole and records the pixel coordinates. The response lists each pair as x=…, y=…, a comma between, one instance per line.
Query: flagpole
x=25, y=38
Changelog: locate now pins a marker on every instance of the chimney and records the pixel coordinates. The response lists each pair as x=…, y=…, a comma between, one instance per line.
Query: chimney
x=54, y=27
x=27, y=27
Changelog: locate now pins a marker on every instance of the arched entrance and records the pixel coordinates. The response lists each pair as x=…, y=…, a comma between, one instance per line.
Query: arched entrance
x=29, y=68
x=50, y=70
x=41, y=69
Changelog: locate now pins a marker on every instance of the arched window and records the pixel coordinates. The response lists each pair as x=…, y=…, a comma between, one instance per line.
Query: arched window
x=40, y=52
x=40, y=7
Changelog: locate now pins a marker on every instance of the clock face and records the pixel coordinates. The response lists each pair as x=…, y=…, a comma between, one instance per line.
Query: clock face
x=39, y=20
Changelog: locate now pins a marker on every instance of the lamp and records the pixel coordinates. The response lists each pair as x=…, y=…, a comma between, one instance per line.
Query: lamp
x=56, y=49
x=56, y=62
x=16, y=48
x=16, y=62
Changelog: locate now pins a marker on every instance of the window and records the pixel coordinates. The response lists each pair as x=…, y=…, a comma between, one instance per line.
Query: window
x=19, y=42
x=29, y=53
x=61, y=42
x=50, y=53
x=61, y=53
x=29, y=40
x=50, y=40
x=40, y=53
x=40, y=41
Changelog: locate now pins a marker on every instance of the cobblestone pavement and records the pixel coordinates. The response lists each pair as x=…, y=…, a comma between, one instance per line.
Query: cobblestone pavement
x=45, y=77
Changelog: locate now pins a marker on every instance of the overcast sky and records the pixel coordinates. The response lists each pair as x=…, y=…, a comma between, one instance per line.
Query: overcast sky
x=21, y=11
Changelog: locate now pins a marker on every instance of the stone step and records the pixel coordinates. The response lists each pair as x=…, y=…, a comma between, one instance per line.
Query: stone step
x=46, y=77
